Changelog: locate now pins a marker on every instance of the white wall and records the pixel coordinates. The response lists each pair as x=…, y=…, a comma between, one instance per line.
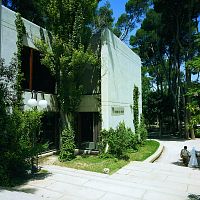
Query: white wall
x=9, y=34
x=9, y=47
x=121, y=69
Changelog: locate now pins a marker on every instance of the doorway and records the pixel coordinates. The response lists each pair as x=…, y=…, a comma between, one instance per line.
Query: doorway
x=88, y=128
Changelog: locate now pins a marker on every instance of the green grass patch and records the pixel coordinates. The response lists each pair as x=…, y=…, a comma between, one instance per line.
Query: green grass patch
x=145, y=151
x=97, y=164
x=94, y=163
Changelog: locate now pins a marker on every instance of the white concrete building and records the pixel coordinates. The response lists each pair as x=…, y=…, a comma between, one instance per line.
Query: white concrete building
x=120, y=71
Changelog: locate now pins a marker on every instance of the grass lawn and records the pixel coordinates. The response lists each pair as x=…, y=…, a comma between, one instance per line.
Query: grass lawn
x=96, y=164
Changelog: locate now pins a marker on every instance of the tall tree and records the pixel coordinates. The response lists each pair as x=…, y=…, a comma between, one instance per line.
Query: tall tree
x=135, y=11
x=165, y=42
x=103, y=17
x=70, y=24
x=31, y=9
x=179, y=19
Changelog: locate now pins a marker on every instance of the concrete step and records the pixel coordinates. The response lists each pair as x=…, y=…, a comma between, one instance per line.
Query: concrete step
x=137, y=180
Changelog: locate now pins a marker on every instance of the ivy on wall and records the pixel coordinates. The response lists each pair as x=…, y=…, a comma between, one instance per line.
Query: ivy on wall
x=135, y=107
x=21, y=31
x=26, y=122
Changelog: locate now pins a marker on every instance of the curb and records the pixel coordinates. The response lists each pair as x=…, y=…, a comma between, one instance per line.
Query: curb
x=156, y=155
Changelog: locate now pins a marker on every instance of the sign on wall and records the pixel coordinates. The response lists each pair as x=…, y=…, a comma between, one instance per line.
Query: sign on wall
x=118, y=110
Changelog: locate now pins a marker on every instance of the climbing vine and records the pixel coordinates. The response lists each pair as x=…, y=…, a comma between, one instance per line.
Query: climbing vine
x=135, y=107
x=21, y=31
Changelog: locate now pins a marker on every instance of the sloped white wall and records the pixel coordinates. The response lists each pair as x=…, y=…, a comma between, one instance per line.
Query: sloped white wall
x=9, y=47
x=121, y=69
x=9, y=34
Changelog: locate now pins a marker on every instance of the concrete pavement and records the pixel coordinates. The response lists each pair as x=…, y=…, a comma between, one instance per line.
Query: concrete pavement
x=160, y=180
x=172, y=148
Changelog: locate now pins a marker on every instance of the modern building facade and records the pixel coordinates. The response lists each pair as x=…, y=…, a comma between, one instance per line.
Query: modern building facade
x=102, y=106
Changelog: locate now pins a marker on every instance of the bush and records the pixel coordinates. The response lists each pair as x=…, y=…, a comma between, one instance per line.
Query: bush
x=197, y=133
x=103, y=141
x=119, y=141
x=17, y=129
x=134, y=142
x=19, y=145
x=142, y=131
x=67, y=145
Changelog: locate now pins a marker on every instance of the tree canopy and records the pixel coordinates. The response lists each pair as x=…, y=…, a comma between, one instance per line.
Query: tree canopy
x=166, y=42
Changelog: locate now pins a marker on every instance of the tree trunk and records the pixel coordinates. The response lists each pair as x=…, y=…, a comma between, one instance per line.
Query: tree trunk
x=160, y=126
x=192, y=134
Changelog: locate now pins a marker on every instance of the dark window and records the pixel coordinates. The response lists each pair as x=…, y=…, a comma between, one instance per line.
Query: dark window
x=36, y=76
x=86, y=127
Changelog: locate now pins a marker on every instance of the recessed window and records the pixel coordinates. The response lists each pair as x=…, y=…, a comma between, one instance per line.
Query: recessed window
x=36, y=76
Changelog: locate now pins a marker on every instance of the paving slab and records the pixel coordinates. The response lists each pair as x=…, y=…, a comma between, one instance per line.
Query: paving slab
x=165, y=179
x=13, y=195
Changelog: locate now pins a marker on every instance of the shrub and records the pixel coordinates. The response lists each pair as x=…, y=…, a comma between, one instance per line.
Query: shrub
x=103, y=141
x=119, y=141
x=142, y=131
x=16, y=130
x=12, y=160
x=67, y=145
x=134, y=141
x=197, y=133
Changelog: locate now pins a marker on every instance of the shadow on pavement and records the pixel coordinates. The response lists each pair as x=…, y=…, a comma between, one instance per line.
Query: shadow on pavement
x=16, y=189
x=27, y=190
x=179, y=163
x=41, y=176
x=31, y=189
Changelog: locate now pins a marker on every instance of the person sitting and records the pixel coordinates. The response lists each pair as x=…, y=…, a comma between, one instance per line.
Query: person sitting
x=185, y=155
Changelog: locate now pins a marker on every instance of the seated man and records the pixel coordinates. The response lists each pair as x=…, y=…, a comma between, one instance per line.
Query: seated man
x=185, y=155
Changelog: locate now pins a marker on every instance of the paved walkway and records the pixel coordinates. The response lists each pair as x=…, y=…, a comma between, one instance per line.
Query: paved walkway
x=172, y=148
x=161, y=180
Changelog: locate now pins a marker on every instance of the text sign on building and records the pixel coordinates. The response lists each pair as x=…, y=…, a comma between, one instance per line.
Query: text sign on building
x=118, y=110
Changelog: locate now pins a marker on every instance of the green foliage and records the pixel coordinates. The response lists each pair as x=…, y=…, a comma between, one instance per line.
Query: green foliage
x=119, y=141
x=67, y=65
x=26, y=125
x=68, y=55
x=32, y=10
x=135, y=107
x=103, y=17
x=135, y=11
x=142, y=131
x=193, y=93
x=17, y=130
x=197, y=133
x=104, y=140
x=21, y=31
x=165, y=42
x=67, y=145
x=194, y=65
x=19, y=144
